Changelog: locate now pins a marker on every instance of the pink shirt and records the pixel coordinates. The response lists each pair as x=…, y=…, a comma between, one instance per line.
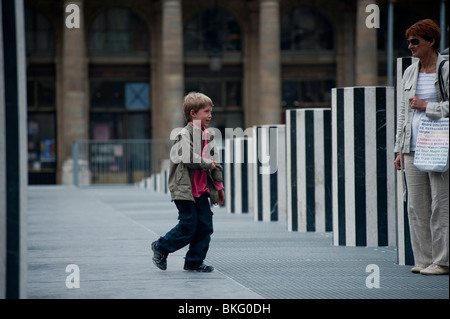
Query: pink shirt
x=198, y=183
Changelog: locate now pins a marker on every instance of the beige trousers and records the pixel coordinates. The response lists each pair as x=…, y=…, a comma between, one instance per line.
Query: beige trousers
x=428, y=214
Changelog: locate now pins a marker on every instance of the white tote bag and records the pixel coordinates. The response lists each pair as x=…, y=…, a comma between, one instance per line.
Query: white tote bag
x=432, y=145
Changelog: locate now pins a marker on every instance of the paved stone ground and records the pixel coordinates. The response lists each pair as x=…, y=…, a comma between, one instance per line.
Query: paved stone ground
x=106, y=232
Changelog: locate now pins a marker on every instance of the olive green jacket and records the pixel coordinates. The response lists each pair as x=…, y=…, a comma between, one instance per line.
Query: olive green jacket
x=185, y=158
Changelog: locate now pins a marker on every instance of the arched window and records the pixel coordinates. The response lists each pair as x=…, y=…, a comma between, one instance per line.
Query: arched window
x=39, y=34
x=213, y=63
x=212, y=30
x=116, y=31
x=306, y=29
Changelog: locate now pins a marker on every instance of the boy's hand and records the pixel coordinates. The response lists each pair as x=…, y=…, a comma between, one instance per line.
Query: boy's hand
x=221, y=197
x=213, y=165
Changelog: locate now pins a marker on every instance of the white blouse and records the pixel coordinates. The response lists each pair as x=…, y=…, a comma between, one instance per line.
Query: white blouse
x=426, y=91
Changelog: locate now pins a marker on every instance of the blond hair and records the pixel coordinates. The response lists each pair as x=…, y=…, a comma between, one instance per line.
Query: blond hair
x=195, y=101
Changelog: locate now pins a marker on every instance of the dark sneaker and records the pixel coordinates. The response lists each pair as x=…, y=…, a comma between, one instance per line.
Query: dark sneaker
x=201, y=268
x=159, y=259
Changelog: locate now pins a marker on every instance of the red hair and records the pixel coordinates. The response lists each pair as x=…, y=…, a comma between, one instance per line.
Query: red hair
x=426, y=29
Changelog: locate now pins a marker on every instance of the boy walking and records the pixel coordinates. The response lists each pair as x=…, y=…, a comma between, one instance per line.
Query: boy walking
x=193, y=177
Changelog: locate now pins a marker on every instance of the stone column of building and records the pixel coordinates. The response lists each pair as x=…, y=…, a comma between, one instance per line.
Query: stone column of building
x=73, y=111
x=366, y=66
x=345, y=58
x=170, y=113
x=251, y=66
x=269, y=63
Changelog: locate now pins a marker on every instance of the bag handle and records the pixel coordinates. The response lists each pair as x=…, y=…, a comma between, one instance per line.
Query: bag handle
x=441, y=81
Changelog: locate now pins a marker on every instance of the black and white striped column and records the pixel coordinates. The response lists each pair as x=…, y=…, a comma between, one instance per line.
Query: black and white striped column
x=13, y=145
x=363, y=174
x=309, y=178
x=152, y=183
x=404, y=248
x=269, y=172
x=237, y=175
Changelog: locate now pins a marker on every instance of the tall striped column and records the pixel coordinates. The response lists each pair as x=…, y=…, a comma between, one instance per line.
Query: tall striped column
x=269, y=172
x=13, y=148
x=404, y=248
x=237, y=175
x=309, y=181
x=363, y=174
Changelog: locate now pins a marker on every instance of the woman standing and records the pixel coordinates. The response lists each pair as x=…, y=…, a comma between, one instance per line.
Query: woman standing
x=428, y=193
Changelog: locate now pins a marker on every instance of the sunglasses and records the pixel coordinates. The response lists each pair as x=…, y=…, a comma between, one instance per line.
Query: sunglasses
x=413, y=41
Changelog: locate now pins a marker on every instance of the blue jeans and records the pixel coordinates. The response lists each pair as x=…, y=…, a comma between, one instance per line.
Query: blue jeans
x=194, y=227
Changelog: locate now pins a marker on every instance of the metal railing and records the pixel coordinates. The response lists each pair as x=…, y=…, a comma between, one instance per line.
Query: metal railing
x=117, y=161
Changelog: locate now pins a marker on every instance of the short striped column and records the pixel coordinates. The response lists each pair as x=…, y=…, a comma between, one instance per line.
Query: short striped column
x=165, y=169
x=404, y=248
x=241, y=180
x=363, y=174
x=158, y=182
x=164, y=186
x=309, y=182
x=150, y=183
x=146, y=183
x=228, y=175
x=237, y=175
x=269, y=172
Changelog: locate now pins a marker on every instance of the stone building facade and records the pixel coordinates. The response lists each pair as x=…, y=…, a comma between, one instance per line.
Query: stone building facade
x=124, y=72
